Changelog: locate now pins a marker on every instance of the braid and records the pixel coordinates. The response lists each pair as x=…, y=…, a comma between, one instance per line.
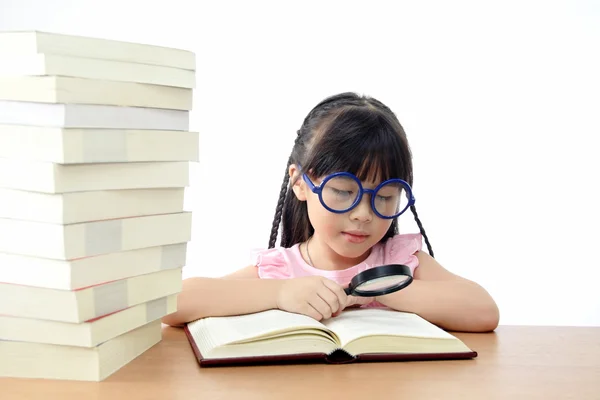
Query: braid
x=279, y=208
x=414, y=211
x=282, y=195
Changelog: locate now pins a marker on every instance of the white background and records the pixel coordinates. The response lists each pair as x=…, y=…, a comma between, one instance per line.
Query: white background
x=500, y=101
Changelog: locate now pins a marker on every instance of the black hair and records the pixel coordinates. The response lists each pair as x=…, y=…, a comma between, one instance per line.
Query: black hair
x=344, y=132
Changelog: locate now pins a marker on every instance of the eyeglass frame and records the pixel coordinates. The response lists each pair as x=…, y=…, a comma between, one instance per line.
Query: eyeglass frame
x=318, y=190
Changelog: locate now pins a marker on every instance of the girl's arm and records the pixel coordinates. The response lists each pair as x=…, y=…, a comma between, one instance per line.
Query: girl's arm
x=241, y=292
x=445, y=299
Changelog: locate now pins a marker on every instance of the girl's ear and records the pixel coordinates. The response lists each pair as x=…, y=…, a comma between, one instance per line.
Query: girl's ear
x=298, y=185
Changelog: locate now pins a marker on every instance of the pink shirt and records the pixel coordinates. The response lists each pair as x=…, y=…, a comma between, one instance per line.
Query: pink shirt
x=285, y=263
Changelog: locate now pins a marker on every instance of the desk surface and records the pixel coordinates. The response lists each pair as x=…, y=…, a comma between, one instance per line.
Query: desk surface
x=514, y=363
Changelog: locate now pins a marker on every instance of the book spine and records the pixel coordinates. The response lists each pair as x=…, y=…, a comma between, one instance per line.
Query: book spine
x=340, y=356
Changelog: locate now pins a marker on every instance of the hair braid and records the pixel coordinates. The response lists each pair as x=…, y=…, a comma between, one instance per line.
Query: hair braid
x=282, y=195
x=279, y=208
x=422, y=230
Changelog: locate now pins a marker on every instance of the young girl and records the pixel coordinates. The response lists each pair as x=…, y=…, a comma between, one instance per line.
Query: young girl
x=334, y=226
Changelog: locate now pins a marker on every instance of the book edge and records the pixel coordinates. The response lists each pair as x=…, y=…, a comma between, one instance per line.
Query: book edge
x=254, y=360
x=382, y=357
x=339, y=356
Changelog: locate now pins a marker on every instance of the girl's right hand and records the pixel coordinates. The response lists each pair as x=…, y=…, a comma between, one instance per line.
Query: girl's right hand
x=315, y=296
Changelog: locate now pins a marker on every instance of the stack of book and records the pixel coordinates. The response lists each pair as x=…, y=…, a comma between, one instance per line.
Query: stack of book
x=95, y=149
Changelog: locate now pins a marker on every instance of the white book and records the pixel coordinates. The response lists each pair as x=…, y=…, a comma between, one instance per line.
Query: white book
x=47, y=361
x=61, y=89
x=73, y=146
x=88, y=303
x=32, y=42
x=90, y=68
x=97, y=205
x=92, y=116
x=89, y=333
x=69, y=242
x=355, y=335
x=89, y=271
x=58, y=178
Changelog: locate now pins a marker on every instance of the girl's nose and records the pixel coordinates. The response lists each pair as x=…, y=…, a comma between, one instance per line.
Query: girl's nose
x=362, y=212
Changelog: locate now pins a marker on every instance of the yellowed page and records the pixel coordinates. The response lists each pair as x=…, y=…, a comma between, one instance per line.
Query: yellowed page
x=219, y=331
x=357, y=323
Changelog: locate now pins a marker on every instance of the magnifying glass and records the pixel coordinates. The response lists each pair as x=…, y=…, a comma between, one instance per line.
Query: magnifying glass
x=380, y=280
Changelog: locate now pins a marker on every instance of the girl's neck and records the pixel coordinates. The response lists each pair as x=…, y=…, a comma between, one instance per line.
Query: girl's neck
x=320, y=256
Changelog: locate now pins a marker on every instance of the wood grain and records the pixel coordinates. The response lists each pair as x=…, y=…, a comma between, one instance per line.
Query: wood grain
x=515, y=362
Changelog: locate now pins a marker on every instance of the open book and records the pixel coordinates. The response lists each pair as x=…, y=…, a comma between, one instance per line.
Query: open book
x=365, y=334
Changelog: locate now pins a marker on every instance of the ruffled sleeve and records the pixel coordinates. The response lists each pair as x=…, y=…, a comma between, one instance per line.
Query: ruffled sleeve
x=402, y=249
x=272, y=264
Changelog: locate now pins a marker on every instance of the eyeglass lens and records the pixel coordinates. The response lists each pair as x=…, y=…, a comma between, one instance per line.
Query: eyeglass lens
x=340, y=193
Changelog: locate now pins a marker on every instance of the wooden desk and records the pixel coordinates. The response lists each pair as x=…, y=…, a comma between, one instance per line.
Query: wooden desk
x=513, y=363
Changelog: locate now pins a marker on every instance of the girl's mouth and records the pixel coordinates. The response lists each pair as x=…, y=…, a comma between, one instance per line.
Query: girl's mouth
x=355, y=237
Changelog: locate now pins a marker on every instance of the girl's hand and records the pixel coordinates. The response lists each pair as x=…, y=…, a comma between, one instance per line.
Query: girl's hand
x=357, y=301
x=315, y=296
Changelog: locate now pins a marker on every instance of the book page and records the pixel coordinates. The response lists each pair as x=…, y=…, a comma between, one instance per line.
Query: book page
x=355, y=323
x=219, y=331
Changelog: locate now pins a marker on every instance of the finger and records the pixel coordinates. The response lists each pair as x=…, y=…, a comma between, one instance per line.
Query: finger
x=320, y=305
x=358, y=301
x=330, y=298
x=311, y=312
x=351, y=301
x=338, y=291
x=331, y=302
x=364, y=300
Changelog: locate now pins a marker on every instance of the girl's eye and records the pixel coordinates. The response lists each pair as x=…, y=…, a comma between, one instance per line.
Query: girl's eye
x=339, y=192
x=384, y=198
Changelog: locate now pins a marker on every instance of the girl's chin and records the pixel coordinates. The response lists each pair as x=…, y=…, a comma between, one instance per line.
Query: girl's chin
x=352, y=250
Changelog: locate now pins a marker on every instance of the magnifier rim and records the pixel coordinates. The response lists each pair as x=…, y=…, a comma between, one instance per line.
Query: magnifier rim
x=381, y=272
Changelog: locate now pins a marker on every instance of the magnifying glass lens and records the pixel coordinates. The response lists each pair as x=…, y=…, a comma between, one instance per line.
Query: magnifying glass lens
x=380, y=280
x=382, y=283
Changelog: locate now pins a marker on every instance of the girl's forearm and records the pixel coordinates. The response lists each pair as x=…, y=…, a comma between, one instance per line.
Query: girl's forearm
x=206, y=297
x=451, y=304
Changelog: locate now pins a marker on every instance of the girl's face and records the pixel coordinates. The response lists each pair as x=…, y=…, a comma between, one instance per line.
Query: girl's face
x=350, y=235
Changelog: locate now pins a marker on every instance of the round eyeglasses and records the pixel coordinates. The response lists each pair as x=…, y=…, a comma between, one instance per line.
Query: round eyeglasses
x=342, y=191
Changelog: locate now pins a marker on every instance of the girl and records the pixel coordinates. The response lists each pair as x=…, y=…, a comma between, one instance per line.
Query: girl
x=334, y=226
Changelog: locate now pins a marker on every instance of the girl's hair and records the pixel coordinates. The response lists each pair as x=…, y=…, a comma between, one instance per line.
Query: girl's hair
x=345, y=132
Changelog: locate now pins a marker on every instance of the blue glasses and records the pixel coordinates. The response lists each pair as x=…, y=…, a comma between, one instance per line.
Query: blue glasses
x=342, y=191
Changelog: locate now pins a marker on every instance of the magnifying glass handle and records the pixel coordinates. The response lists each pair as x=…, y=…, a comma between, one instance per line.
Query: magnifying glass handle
x=348, y=290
